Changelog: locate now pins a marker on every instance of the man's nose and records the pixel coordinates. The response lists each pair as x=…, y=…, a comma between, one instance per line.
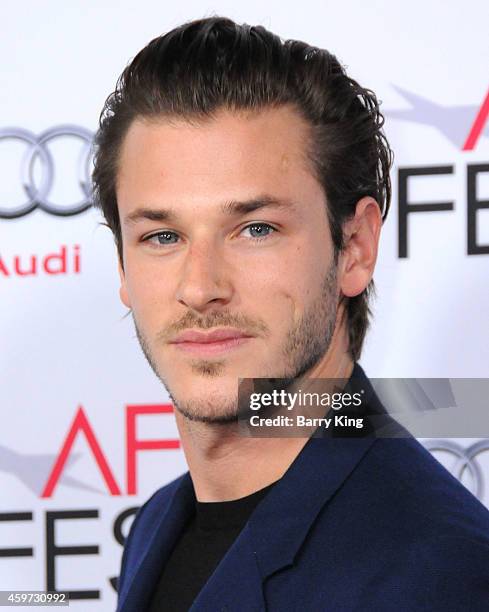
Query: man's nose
x=204, y=278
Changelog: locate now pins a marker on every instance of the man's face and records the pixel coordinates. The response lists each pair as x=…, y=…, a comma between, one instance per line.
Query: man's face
x=225, y=229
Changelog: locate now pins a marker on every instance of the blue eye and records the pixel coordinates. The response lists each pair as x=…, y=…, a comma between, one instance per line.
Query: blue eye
x=259, y=231
x=165, y=237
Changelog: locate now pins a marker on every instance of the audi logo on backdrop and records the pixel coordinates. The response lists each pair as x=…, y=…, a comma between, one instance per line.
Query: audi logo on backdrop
x=464, y=461
x=38, y=171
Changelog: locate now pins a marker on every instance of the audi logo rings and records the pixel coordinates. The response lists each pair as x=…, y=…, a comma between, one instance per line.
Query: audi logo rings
x=37, y=151
x=464, y=460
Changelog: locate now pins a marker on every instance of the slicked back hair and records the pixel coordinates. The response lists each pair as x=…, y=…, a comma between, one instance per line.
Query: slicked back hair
x=211, y=64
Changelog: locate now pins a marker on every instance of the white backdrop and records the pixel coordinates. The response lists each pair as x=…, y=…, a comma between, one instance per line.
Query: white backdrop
x=66, y=349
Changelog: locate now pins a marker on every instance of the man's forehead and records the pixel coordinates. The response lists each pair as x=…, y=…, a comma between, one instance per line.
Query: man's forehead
x=238, y=161
x=280, y=127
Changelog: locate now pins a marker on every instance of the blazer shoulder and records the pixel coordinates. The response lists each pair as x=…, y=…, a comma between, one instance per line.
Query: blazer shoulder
x=424, y=491
x=449, y=572
x=415, y=535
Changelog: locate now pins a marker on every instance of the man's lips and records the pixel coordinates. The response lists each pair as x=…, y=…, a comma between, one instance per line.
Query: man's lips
x=206, y=337
x=210, y=343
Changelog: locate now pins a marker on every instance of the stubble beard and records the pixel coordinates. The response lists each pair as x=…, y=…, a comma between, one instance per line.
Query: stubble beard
x=305, y=344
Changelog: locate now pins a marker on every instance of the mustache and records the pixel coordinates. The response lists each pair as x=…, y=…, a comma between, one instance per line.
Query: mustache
x=214, y=319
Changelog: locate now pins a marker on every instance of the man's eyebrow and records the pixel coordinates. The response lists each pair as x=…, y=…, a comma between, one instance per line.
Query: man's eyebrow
x=231, y=208
x=149, y=214
x=234, y=207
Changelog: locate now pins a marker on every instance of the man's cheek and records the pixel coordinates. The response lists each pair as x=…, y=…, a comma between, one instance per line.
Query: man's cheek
x=289, y=308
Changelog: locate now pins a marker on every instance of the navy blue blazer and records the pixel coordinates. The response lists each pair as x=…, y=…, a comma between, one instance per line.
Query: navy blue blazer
x=362, y=524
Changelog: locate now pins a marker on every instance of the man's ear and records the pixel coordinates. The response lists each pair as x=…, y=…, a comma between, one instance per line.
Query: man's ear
x=123, y=288
x=361, y=239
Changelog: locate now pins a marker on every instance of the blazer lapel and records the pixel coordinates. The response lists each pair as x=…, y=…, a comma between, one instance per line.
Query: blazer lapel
x=236, y=584
x=136, y=596
x=279, y=525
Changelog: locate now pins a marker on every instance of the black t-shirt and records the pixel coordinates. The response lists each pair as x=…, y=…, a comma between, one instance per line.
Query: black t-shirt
x=203, y=543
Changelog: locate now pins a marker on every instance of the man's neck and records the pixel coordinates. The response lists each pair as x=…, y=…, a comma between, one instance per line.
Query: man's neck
x=225, y=465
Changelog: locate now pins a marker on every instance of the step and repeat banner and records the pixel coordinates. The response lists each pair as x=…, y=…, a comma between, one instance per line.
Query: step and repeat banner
x=87, y=431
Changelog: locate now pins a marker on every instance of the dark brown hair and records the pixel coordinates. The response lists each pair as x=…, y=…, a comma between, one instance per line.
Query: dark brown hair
x=214, y=63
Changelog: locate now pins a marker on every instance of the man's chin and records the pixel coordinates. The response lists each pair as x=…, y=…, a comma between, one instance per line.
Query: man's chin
x=198, y=412
x=213, y=405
